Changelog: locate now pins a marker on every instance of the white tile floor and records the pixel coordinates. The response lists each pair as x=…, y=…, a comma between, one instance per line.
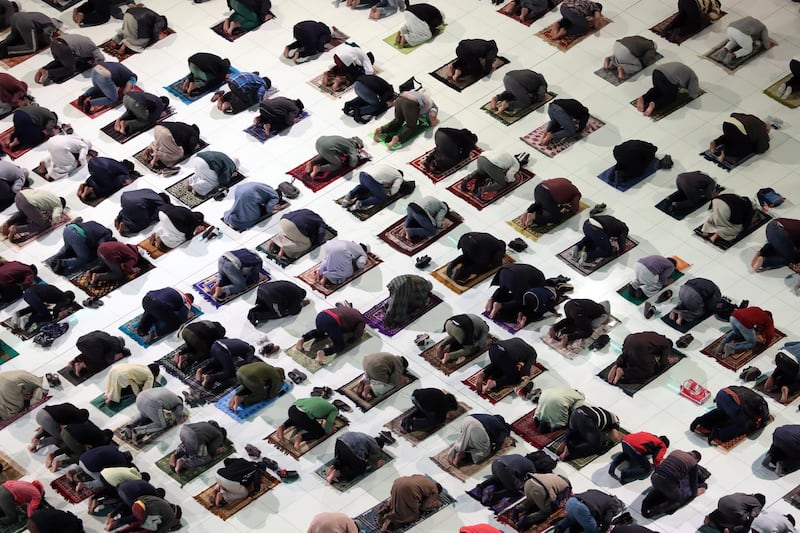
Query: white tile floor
x=658, y=408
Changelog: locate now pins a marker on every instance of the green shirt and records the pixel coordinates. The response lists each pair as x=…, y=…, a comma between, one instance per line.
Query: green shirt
x=556, y=404
x=318, y=408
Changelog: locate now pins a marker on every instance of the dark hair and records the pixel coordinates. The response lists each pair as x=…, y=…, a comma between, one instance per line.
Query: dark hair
x=178, y=513
x=63, y=201
x=761, y=498
x=299, y=104
x=673, y=261
x=84, y=412
x=127, y=164
x=401, y=173
x=92, y=153
x=69, y=295
x=160, y=492
x=108, y=434
x=145, y=476
x=196, y=129
x=227, y=62
x=371, y=57
x=697, y=455
x=438, y=488
x=665, y=440
x=128, y=457
x=451, y=402
x=34, y=269
x=224, y=432
x=790, y=518
x=165, y=101
x=190, y=297
x=404, y=361
x=267, y=81
x=154, y=369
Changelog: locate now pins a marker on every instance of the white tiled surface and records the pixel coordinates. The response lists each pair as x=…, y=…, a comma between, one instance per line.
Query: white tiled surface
x=289, y=508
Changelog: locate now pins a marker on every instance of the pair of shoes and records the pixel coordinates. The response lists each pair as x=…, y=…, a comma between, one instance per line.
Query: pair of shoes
x=638, y=293
x=600, y=342
x=53, y=379
x=297, y=376
x=518, y=245
x=649, y=310
x=666, y=162
x=93, y=303
x=599, y=208
x=387, y=436
x=750, y=373
x=270, y=463
x=342, y=406
x=522, y=158
x=269, y=349
x=322, y=392
x=525, y=389
x=221, y=194
x=252, y=451
x=421, y=340
x=684, y=341
x=422, y=261
x=288, y=475
x=664, y=296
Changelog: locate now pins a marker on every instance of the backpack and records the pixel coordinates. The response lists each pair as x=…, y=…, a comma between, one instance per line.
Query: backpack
x=769, y=198
x=543, y=463
x=288, y=190
x=50, y=332
x=725, y=309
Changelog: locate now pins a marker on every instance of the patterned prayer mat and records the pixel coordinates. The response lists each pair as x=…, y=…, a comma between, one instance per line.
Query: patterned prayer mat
x=553, y=148
x=308, y=359
x=509, y=118
x=155, y=251
x=147, y=439
x=495, y=504
x=423, y=125
x=728, y=445
x=607, y=175
x=714, y=55
x=28, y=334
x=316, y=82
x=776, y=394
x=681, y=100
x=191, y=473
x=436, y=177
x=441, y=275
x=368, y=521
x=33, y=236
x=10, y=469
x=344, y=486
x=205, y=286
x=610, y=74
x=8, y=421
x=466, y=80
x=760, y=218
x=466, y=471
x=124, y=402
x=632, y=388
x=101, y=109
x=325, y=288
x=566, y=256
x=244, y=413
x=330, y=233
x=13, y=154
x=69, y=490
x=527, y=428
x=487, y=198
x=7, y=353
x=175, y=90
x=94, y=202
x=122, y=138
x=575, y=348
x=268, y=482
x=627, y=293
x=11, y=62
x=792, y=102
x=505, y=518
x=534, y=233
x=129, y=327
x=738, y=360
x=103, y=288
x=394, y=238
x=435, y=360
x=498, y=394
x=659, y=29
x=106, y=47
x=210, y=395
x=139, y=156
x=325, y=179
x=364, y=214
x=568, y=41
x=375, y=315
x=793, y=497
x=415, y=437
x=581, y=462
x=217, y=28
x=348, y=390
x=508, y=10
x=390, y=40
x=258, y=133
x=286, y=446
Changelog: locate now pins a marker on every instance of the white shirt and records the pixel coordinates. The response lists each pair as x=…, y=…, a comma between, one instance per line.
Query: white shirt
x=353, y=55
x=167, y=232
x=204, y=180
x=386, y=175
x=67, y=152
x=505, y=161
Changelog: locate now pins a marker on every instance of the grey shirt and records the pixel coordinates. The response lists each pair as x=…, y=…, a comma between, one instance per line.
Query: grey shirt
x=682, y=76
x=640, y=47
x=340, y=145
x=12, y=174
x=435, y=208
x=83, y=47
x=362, y=446
x=754, y=28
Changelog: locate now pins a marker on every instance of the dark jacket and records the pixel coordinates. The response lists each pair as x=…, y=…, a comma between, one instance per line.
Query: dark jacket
x=756, y=130
x=140, y=208
x=604, y=507
x=309, y=224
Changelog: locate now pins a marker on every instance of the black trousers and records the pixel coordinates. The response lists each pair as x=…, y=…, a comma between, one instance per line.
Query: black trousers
x=312, y=429
x=663, y=93
x=733, y=141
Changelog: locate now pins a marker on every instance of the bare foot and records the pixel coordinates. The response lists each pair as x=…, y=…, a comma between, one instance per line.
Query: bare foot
x=640, y=104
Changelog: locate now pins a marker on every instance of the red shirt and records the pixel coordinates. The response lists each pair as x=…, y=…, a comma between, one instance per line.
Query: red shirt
x=757, y=319
x=24, y=492
x=12, y=272
x=12, y=90
x=648, y=444
x=564, y=192
x=125, y=255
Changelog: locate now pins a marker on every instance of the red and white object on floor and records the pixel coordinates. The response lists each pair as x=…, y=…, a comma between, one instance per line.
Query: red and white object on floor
x=694, y=391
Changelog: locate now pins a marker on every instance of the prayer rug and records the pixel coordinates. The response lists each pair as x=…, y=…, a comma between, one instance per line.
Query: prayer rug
x=776, y=394
x=27, y=334
x=122, y=138
x=268, y=482
x=793, y=497
x=527, y=428
x=534, y=233
x=506, y=518
x=11, y=62
x=665, y=205
x=581, y=462
x=738, y=360
x=328, y=91
x=659, y=29
x=67, y=374
x=435, y=176
x=315, y=184
x=348, y=390
x=246, y=412
x=772, y=91
x=485, y=199
x=415, y=437
x=728, y=445
x=681, y=100
x=209, y=395
x=155, y=251
x=685, y=327
x=147, y=439
x=393, y=235
x=466, y=471
x=45, y=176
x=730, y=162
x=511, y=327
x=205, y=287
x=101, y=109
x=435, y=360
x=364, y=214
x=495, y=505
x=715, y=54
x=113, y=52
x=175, y=90
x=191, y=473
x=610, y=74
x=129, y=327
x=466, y=80
x=63, y=5
x=330, y=233
x=217, y=28
x=10, y=469
x=124, y=402
x=498, y=394
x=13, y=154
x=308, y=359
x=261, y=136
x=575, y=348
x=94, y=202
x=627, y=293
x=33, y=236
x=344, y=486
x=508, y=9
x=607, y=175
x=374, y=316
x=180, y=190
x=369, y=521
x=139, y=156
x=441, y=275
x=287, y=447
x=8, y=421
x=568, y=41
x=509, y=118
x=257, y=222
x=566, y=256
x=760, y=218
x=390, y=40
x=423, y=125
x=632, y=388
x=325, y=287
x=69, y=490
x=553, y=148
x=103, y=288
x=7, y=353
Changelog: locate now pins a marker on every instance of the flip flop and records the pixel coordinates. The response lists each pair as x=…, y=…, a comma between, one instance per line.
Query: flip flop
x=252, y=451
x=297, y=376
x=269, y=349
x=53, y=379
x=342, y=406
x=664, y=296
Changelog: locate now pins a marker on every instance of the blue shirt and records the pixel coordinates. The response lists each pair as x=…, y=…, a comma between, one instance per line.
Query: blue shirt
x=251, y=202
x=247, y=82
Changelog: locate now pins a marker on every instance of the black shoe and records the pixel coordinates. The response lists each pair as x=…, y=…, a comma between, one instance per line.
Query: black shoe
x=599, y=208
x=388, y=437
x=664, y=296
x=684, y=341
x=649, y=310
x=423, y=261
x=600, y=342
x=666, y=162
x=518, y=245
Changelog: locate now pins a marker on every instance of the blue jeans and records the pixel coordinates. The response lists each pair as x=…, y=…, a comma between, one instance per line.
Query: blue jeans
x=103, y=90
x=230, y=273
x=737, y=331
x=370, y=98
x=577, y=515
x=75, y=253
x=419, y=224
x=40, y=314
x=372, y=191
x=326, y=326
x=561, y=124
x=779, y=250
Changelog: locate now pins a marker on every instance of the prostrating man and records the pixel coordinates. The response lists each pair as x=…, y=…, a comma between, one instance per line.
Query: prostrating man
x=474, y=58
x=631, y=54
x=46, y=303
x=786, y=376
x=172, y=142
x=30, y=31
x=634, y=158
x=480, y=253
x=52, y=419
x=277, y=299
x=644, y=355
x=424, y=218
x=305, y=415
x=71, y=54
x=676, y=482
x=158, y=409
x=334, y=153
x=278, y=113
x=342, y=260
x=577, y=18
x=604, y=236
x=697, y=298
x=81, y=241
x=411, y=110
x=342, y=325
x=13, y=93
x=729, y=217
x=33, y=124
x=98, y=350
x=221, y=366
x=383, y=372
x=581, y=317
x=246, y=89
x=355, y=454
x=106, y=176
x=568, y=119
x=376, y=184
x=482, y=435
x=16, y=494
x=555, y=407
x=200, y=442
x=142, y=111
x=694, y=189
x=742, y=136
x=111, y=80
x=176, y=225
x=374, y=95
x=431, y=407
x=736, y=512
x=496, y=170
x=750, y=326
x=139, y=210
x=299, y=231
x=668, y=80
x=588, y=428
x=12, y=179
x=782, y=247
x=408, y=293
x=246, y=15
x=141, y=26
x=212, y=170
x=237, y=270
x=423, y=22
x=199, y=336
x=258, y=382
x=739, y=411
x=15, y=277
x=38, y=209
x=636, y=447
x=783, y=456
x=206, y=72
x=67, y=153
x=554, y=200
x=349, y=62
x=92, y=13
x=164, y=311
x=311, y=38
x=332, y=523
x=521, y=89
x=467, y=335
x=410, y=497
x=252, y=201
x=18, y=390
x=236, y=480
x=511, y=361
x=452, y=146
x=743, y=34
x=128, y=379
x=588, y=511
x=544, y=493
x=149, y=510
x=652, y=274
x=512, y=281
x=690, y=18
